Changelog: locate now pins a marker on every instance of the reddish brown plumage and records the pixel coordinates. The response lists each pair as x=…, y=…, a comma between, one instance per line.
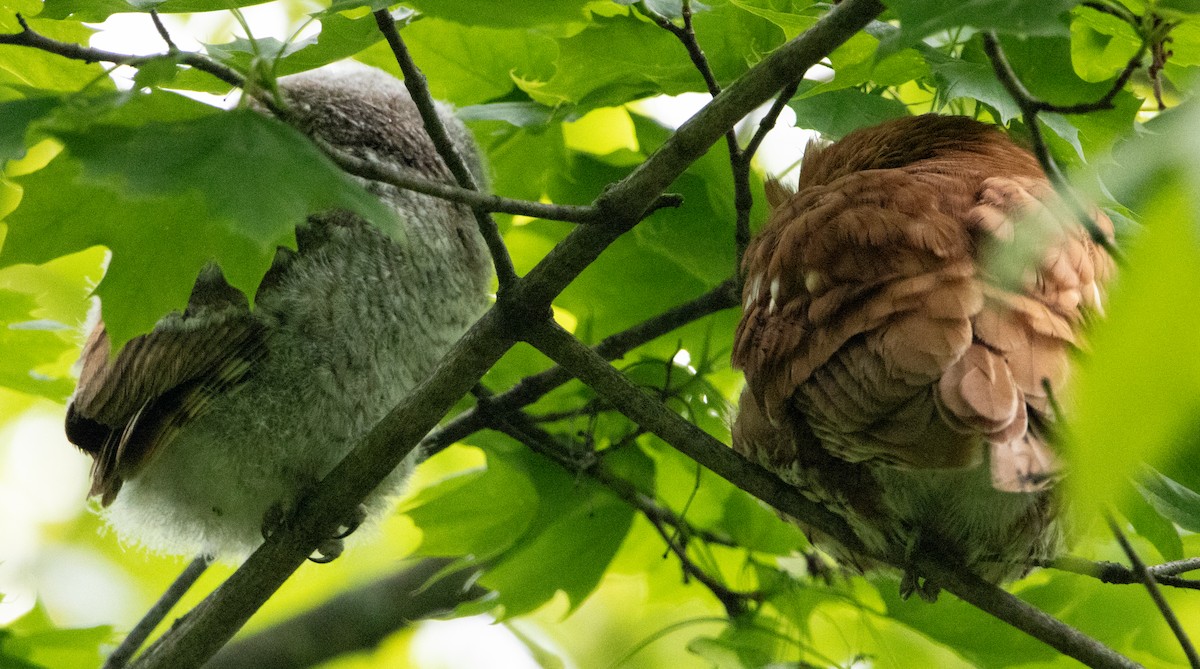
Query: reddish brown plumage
x=880, y=319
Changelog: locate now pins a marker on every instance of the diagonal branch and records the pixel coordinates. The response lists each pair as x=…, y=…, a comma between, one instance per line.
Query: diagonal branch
x=215, y=620
x=1030, y=108
x=1147, y=578
x=532, y=388
x=651, y=414
x=739, y=158
x=419, y=90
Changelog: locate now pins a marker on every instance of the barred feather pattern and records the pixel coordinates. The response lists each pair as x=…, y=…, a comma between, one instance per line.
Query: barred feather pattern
x=906, y=311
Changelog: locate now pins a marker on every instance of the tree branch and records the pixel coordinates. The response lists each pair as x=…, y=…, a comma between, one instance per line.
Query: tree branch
x=157, y=613
x=215, y=620
x=1156, y=595
x=564, y=349
x=414, y=80
x=1117, y=574
x=28, y=37
x=475, y=199
x=356, y=620
x=1030, y=107
x=532, y=388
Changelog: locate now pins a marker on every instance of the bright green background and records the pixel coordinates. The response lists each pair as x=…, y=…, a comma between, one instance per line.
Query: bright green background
x=165, y=184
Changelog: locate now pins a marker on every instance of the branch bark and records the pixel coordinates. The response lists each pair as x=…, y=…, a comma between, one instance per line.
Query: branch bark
x=212, y=623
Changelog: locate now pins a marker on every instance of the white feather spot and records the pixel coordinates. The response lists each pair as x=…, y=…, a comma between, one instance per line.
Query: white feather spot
x=1099, y=300
x=752, y=295
x=812, y=281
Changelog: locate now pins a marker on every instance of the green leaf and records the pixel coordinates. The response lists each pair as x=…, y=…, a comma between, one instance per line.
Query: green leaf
x=34, y=641
x=576, y=530
x=974, y=80
x=95, y=11
x=159, y=244
x=1101, y=45
x=1146, y=354
x=922, y=18
x=504, y=13
x=220, y=157
x=33, y=69
x=41, y=307
x=857, y=62
x=168, y=195
x=836, y=113
x=15, y=119
x=792, y=22
x=519, y=114
x=469, y=65
x=979, y=638
x=1174, y=501
x=1148, y=522
x=460, y=516
x=612, y=62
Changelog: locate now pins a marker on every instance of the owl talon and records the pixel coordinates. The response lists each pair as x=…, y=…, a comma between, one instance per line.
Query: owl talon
x=328, y=551
x=352, y=523
x=331, y=548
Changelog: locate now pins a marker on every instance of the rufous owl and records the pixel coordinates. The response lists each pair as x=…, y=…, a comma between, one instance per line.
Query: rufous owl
x=895, y=372
x=223, y=416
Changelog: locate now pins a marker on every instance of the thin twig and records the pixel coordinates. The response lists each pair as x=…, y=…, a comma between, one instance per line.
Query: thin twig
x=769, y=119
x=1156, y=594
x=1175, y=568
x=1118, y=574
x=739, y=161
x=741, y=171
x=28, y=37
x=478, y=200
x=162, y=32
x=1029, y=111
x=414, y=80
x=142, y=630
x=519, y=428
x=532, y=388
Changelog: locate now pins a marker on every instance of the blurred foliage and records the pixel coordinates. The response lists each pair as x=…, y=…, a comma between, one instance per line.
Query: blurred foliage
x=143, y=186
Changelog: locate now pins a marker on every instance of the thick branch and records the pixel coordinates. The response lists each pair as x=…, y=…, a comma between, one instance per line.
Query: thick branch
x=698, y=445
x=414, y=80
x=215, y=620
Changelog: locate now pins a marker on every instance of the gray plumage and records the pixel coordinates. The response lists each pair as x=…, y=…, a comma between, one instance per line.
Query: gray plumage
x=219, y=414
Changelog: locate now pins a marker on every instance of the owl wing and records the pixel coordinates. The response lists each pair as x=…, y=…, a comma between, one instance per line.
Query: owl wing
x=127, y=407
x=866, y=308
x=858, y=295
x=1031, y=322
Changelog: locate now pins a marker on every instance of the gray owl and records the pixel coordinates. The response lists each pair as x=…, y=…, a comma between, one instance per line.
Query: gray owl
x=222, y=416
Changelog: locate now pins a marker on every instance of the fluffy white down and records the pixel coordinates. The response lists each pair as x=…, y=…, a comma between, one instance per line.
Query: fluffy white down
x=354, y=327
